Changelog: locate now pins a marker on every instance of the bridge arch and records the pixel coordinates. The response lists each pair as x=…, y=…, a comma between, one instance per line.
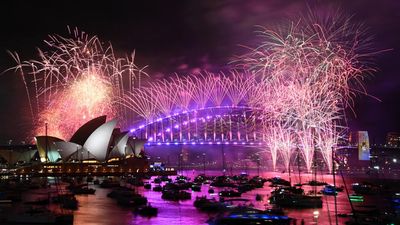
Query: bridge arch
x=237, y=125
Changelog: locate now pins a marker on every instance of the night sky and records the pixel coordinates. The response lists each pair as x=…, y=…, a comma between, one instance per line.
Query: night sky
x=182, y=36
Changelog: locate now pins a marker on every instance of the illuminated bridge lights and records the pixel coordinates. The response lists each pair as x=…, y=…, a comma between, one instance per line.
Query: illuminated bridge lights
x=206, y=143
x=213, y=124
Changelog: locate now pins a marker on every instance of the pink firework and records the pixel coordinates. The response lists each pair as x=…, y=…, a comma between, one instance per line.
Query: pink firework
x=84, y=99
x=310, y=72
x=76, y=79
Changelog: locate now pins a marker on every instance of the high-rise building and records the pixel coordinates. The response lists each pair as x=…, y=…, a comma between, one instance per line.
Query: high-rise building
x=393, y=139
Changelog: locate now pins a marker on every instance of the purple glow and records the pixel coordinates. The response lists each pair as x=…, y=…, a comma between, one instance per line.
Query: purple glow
x=167, y=143
x=168, y=130
x=202, y=143
x=184, y=143
x=159, y=119
x=210, y=143
x=159, y=143
x=132, y=130
x=150, y=139
x=243, y=143
x=141, y=126
x=185, y=123
x=218, y=143
x=193, y=143
x=176, y=143
x=235, y=143
x=176, y=126
x=251, y=143
x=227, y=143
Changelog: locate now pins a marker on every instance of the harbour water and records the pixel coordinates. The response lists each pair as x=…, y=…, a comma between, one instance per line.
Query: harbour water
x=99, y=209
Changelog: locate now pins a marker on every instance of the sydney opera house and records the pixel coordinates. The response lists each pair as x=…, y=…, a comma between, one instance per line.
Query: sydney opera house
x=97, y=147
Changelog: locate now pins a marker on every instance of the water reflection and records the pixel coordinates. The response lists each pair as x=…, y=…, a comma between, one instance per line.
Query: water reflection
x=98, y=209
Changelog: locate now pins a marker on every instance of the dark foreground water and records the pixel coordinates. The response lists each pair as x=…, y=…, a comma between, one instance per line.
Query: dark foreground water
x=98, y=209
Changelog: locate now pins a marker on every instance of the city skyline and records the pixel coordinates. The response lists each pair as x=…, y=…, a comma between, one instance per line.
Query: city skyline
x=182, y=46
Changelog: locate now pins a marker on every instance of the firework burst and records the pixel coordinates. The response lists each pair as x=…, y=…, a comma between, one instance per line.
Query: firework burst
x=76, y=79
x=310, y=72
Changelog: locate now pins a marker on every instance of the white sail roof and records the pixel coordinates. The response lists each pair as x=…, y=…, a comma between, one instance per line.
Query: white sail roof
x=98, y=142
x=66, y=149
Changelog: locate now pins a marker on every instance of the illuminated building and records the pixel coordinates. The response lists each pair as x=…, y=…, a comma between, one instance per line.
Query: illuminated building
x=393, y=139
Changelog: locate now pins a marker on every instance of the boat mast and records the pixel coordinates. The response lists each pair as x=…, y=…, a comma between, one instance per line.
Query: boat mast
x=298, y=164
x=334, y=184
x=290, y=177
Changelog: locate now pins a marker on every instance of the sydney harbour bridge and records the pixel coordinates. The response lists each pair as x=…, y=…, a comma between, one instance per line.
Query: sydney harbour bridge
x=238, y=125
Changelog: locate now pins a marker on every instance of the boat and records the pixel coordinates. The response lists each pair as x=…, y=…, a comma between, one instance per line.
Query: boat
x=182, y=178
x=109, y=184
x=121, y=192
x=196, y=188
x=157, y=188
x=230, y=193
x=83, y=190
x=395, y=199
x=200, y=178
x=72, y=186
x=299, y=201
x=275, y=211
x=222, y=181
x=147, y=186
x=285, y=198
x=147, y=211
x=245, y=187
x=250, y=216
x=372, y=216
x=165, y=178
x=316, y=183
x=135, y=181
x=157, y=180
x=39, y=216
x=331, y=190
x=275, y=181
x=257, y=182
x=133, y=201
x=366, y=188
x=175, y=195
x=179, y=185
x=209, y=205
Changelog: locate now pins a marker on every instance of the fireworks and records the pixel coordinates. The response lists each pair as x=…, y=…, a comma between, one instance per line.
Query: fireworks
x=76, y=79
x=310, y=71
x=85, y=99
x=301, y=77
